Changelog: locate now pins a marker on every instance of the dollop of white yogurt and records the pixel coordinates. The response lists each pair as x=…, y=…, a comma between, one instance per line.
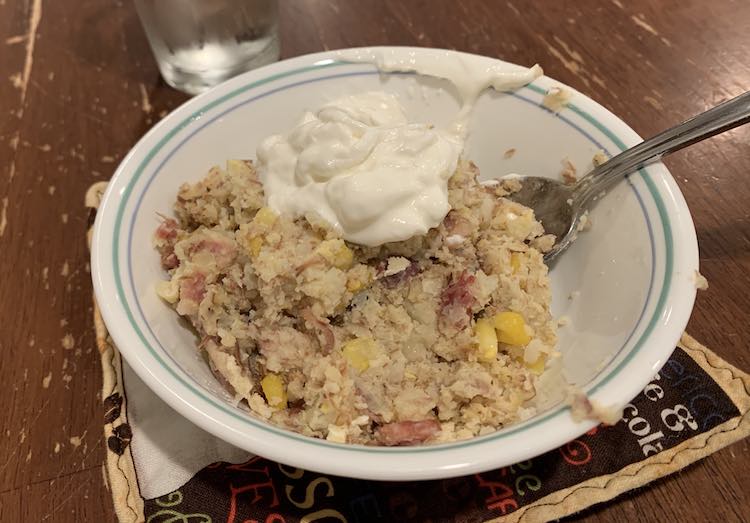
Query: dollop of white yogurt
x=363, y=167
x=360, y=164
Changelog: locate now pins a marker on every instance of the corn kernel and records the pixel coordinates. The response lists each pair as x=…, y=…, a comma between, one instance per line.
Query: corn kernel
x=336, y=253
x=326, y=407
x=410, y=375
x=274, y=391
x=358, y=352
x=511, y=328
x=538, y=366
x=515, y=261
x=353, y=285
x=265, y=217
x=254, y=245
x=237, y=167
x=486, y=339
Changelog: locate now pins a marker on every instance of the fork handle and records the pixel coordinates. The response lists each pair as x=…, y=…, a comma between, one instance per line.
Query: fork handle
x=725, y=116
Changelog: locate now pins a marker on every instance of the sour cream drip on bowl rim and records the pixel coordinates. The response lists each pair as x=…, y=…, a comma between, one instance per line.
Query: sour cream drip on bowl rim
x=363, y=167
x=470, y=74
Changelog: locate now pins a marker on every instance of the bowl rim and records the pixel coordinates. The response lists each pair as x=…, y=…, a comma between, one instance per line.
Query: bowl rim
x=668, y=320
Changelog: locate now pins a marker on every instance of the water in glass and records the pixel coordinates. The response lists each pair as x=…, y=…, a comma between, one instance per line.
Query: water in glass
x=199, y=43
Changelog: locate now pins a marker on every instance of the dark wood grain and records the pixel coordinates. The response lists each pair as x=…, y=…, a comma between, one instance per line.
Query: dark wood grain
x=78, y=89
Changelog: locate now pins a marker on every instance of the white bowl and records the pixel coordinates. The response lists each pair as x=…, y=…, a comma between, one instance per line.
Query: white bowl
x=633, y=272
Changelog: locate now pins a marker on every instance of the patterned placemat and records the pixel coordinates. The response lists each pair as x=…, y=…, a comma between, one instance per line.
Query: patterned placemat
x=697, y=404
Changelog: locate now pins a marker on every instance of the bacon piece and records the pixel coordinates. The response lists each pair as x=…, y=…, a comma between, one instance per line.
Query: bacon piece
x=315, y=259
x=407, y=432
x=193, y=287
x=165, y=235
x=456, y=301
x=169, y=260
x=167, y=230
x=455, y=224
x=394, y=280
x=223, y=249
x=322, y=330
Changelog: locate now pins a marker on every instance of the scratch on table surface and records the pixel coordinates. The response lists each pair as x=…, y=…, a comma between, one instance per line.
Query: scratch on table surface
x=76, y=154
x=640, y=22
x=46, y=380
x=3, y=216
x=598, y=81
x=92, y=451
x=653, y=102
x=573, y=53
x=104, y=476
x=12, y=40
x=146, y=106
x=64, y=101
x=16, y=80
x=68, y=342
x=77, y=440
x=514, y=9
x=571, y=65
x=55, y=509
x=666, y=41
x=618, y=4
x=34, y=18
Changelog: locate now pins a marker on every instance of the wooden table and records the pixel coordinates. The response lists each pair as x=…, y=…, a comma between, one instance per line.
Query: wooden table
x=78, y=87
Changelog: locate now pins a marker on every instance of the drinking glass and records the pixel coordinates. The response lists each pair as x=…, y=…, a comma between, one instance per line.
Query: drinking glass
x=200, y=43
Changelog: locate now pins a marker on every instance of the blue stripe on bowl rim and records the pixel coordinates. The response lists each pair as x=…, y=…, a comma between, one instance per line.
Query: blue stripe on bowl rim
x=244, y=416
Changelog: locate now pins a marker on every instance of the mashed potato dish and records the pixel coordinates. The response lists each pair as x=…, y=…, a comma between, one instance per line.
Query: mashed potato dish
x=431, y=339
